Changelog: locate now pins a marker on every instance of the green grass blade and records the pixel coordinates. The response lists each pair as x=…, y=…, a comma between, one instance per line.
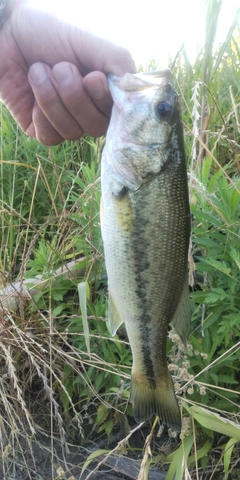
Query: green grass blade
x=215, y=422
x=83, y=292
x=212, y=16
x=227, y=455
x=92, y=457
x=179, y=460
x=226, y=42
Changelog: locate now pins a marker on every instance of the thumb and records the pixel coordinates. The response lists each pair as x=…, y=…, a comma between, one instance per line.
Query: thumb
x=96, y=53
x=119, y=61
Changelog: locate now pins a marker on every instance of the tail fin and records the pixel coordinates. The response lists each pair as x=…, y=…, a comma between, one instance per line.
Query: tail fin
x=161, y=401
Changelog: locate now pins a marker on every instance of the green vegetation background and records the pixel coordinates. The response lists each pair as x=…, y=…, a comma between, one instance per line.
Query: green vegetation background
x=60, y=368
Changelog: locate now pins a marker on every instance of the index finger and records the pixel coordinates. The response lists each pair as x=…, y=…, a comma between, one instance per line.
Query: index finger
x=97, y=87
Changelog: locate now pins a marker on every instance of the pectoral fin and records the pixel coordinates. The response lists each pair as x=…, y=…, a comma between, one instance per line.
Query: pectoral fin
x=182, y=317
x=114, y=318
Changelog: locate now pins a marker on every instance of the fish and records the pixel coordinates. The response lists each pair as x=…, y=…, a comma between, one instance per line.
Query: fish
x=145, y=226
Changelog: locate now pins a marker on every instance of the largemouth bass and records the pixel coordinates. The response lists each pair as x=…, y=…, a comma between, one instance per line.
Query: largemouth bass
x=145, y=222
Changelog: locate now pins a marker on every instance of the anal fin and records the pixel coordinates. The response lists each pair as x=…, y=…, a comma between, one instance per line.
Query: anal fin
x=114, y=318
x=182, y=317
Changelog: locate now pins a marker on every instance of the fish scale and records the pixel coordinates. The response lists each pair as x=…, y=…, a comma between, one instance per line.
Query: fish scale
x=145, y=225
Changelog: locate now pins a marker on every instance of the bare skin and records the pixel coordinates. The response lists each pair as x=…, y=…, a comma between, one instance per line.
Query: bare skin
x=53, y=75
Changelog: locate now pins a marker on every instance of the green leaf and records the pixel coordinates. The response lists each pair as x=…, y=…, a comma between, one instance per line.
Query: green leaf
x=178, y=459
x=214, y=316
x=102, y=414
x=83, y=292
x=201, y=452
x=217, y=295
x=57, y=296
x=108, y=427
x=220, y=266
x=58, y=310
x=227, y=379
x=215, y=422
x=99, y=381
x=235, y=255
x=92, y=457
x=228, y=453
x=205, y=170
x=205, y=242
x=211, y=219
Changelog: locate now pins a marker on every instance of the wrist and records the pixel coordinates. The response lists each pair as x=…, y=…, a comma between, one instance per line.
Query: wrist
x=3, y=12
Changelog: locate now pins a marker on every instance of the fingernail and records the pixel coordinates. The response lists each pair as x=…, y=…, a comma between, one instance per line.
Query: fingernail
x=62, y=73
x=120, y=69
x=38, y=73
x=95, y=87
x=116, y=70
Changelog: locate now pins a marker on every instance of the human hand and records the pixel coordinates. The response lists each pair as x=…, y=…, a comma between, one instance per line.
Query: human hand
x=53, y=75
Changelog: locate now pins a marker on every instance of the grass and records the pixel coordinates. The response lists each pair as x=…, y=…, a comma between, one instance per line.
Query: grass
x=61, y=382
x=50, y=220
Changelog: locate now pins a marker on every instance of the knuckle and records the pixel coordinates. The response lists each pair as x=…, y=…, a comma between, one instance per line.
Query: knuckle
x=49, y=140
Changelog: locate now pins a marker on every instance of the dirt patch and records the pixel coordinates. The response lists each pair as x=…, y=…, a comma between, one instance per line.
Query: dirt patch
x=44, y=458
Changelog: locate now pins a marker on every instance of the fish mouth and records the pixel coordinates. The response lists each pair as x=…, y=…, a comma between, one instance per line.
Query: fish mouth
x=138, y=143
x=136, y=82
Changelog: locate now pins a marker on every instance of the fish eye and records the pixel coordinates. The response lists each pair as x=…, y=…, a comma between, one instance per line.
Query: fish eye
x=164, y=109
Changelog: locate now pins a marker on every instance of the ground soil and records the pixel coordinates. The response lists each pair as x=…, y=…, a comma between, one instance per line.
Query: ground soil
x=44, y=458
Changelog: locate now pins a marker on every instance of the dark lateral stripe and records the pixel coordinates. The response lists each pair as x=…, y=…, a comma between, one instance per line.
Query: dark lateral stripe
x=148, y=364
x=140, y=247
x=145, y=322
